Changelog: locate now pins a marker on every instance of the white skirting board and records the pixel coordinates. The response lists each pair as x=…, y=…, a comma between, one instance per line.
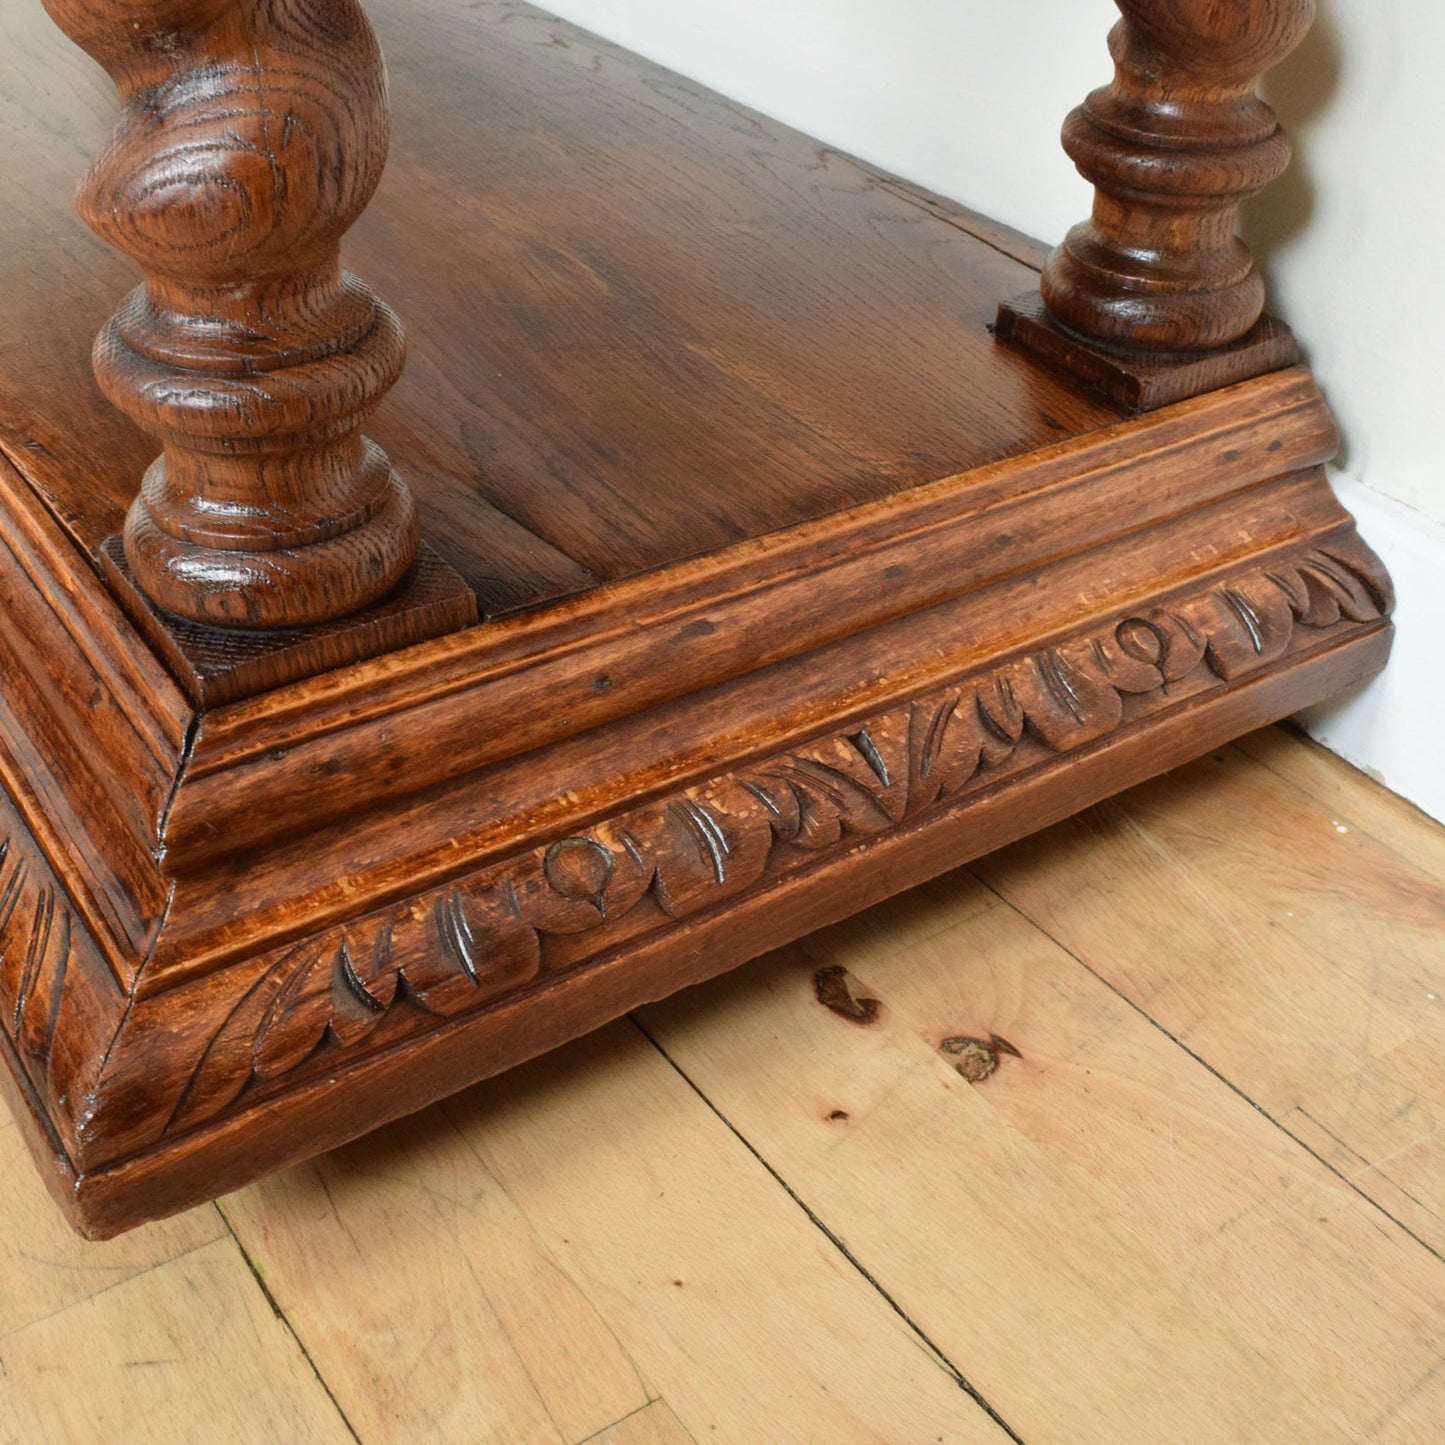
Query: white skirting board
x=1394, y=726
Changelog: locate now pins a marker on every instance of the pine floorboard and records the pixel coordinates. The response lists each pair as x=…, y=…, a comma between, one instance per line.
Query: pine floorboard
x=1138, y=1141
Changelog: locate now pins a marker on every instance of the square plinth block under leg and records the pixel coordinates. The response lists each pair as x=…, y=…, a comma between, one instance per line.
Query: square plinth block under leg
x=795, y=589
x=1142, y=381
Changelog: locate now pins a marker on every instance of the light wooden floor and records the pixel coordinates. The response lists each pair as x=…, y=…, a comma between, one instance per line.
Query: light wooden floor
x=1201, y=1198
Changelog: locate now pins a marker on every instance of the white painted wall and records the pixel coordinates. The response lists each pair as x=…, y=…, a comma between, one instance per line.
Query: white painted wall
x=966, y=97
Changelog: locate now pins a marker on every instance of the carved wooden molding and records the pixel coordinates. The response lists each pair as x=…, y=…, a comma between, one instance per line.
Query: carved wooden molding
x=60, y=1005
x=140, y=1079
x=268, y=885
x=36, y=933
x=254, y=134
x=470, y=945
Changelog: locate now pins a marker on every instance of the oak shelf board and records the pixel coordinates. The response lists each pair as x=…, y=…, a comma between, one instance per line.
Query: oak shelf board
x=645, y=322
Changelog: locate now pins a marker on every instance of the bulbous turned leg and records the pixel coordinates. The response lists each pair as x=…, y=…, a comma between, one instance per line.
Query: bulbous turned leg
x=1155, y=297
x=253, y=136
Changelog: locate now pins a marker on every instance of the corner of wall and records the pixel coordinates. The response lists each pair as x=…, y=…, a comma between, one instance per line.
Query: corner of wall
x=1390, y=727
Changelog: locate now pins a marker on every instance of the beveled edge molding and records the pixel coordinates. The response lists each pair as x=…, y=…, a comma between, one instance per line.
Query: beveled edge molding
x=473, y=943
x=616, y=651
x=76, y=644
x=242, y=906
x=217, y=783
x=653, y=638
x=1248, y=433
x=217, y=1046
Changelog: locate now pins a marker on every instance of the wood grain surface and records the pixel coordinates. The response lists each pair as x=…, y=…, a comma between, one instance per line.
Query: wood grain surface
x=749, y=1215
x=644, y=321
x=252, y=134
x=856, y=595
x=228, y=1057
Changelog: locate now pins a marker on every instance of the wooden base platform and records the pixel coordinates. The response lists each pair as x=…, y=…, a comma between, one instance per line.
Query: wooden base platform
x=797, y=589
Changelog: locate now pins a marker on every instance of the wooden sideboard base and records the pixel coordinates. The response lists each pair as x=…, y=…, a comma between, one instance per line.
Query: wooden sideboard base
x=796, y=589
x=1140, y=381
x=296, y=963
x=335, y=1099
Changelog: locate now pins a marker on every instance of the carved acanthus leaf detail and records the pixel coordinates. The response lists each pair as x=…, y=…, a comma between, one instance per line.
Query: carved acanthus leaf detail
x=678, y=856
x=35, y=951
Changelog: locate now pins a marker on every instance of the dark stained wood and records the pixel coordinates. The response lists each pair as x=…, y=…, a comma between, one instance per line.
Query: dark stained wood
x=742, y=329
x=358, y=737
x=812, y=590
x=1145, y=380
x=93, y=731
x=84, y=457
x=1013, y=243
x=327, y=1108
x=252, y=136
x=1155, y=297
x=580, y=879
x=218, y=665
x=229, y=903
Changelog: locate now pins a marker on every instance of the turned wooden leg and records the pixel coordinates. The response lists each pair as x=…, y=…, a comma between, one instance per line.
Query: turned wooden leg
x=1155, y=297
x=254, y=134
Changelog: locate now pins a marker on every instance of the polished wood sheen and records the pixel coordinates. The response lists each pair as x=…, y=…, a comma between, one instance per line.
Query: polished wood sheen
x=1173, y=147
x=571, y=234
x=796, y=589
x=254, y=134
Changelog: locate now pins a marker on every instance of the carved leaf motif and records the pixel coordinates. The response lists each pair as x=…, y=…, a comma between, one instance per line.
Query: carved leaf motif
x=227, y=1064
x=488, y=936
x=1334, y=591
x=1251, y=622
x=613, y=860
x=1067, y=697
x=35, y=951
x=320, y=992
x=1001, y=712
x=952, y=738
x=481, y=939
x=704, y=847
